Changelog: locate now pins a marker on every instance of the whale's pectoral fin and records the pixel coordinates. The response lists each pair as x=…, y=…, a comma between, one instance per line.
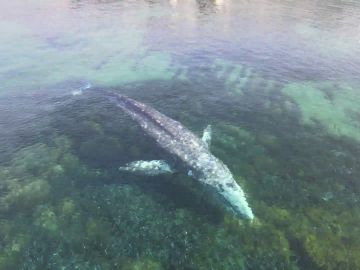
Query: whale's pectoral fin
x=148, y=167
x=206, y=137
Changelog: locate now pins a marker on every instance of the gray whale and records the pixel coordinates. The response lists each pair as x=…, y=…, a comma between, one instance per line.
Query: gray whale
x=192, y=151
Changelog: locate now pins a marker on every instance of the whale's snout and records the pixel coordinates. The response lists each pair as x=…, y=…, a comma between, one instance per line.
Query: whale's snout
x=235, y=197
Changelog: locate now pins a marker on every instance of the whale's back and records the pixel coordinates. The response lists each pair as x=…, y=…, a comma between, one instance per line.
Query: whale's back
x=168, y=133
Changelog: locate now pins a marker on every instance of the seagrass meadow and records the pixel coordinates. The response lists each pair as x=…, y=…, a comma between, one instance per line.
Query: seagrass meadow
x=279, y=81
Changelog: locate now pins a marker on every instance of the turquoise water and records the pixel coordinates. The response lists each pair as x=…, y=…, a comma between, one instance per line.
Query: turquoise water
x=279, y=81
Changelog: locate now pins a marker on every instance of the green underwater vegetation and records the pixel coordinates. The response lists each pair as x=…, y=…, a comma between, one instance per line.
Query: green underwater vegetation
x=78, y=55
x=239, y=78
x=325, y=43
x=65, y=206
x=334, y=106
x=318, y=233
x=329, y=105
x=278, y=82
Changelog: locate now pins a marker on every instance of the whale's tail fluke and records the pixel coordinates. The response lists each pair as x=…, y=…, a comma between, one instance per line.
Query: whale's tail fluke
x=80, y=90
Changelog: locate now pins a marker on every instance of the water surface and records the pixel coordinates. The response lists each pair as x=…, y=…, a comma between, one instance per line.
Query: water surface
x=278, y=80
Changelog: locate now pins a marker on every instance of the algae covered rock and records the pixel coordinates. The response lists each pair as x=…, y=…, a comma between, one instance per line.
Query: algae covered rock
x=335, y=106
x=239, y=79
x=27, y=181
x=22, y=197
x=46, y=218
x=241, y=152
x=13, y=244
x=328, y=241
x=34, y=160
x=67, y=207
x=142, y=264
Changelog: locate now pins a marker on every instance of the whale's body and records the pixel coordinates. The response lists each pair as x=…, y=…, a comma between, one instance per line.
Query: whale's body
x=193, y=152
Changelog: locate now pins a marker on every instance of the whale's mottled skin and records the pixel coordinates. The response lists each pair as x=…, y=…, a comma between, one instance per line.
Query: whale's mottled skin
x=191, y=150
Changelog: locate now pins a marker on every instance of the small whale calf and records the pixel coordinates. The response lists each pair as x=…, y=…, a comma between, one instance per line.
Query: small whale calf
x=152, y=167
x=192, y=151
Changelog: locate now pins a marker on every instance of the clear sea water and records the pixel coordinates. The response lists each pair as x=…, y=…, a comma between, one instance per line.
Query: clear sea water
x=279, y=81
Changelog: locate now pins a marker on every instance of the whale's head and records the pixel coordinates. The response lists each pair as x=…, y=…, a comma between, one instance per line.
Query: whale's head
x=235, y=199
x=229, y=192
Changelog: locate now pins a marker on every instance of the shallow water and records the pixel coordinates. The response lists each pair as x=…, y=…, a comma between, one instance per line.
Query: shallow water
x=278, y=80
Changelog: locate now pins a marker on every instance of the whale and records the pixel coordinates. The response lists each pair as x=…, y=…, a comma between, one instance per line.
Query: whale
x=192, y=152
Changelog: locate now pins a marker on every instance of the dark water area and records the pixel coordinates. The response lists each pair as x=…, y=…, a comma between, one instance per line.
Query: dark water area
x=279, y=81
